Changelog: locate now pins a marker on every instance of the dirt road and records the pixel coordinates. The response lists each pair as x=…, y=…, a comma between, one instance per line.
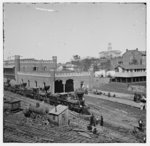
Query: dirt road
x=119, y=123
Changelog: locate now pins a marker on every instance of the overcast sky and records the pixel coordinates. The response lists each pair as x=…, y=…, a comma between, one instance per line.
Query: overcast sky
x=65, y=29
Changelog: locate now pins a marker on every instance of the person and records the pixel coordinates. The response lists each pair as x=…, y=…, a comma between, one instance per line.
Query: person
x=94, y=131
x=144, y=139
x=92, y=119
x=141, y=105
x=89, y=127
x=97, y=121
x=140, y=125
x=69, y=122
x=101, y=122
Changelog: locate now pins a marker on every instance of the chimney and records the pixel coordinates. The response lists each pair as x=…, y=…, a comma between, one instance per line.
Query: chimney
x=137, y=49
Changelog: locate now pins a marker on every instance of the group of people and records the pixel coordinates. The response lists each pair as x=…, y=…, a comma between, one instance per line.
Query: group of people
x=94, y=122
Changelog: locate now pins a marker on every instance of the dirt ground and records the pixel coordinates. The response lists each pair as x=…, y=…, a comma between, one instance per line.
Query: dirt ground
x=120, y=119
x=120, y=122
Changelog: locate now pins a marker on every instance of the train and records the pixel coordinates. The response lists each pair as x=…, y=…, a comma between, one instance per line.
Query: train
x=74, y=100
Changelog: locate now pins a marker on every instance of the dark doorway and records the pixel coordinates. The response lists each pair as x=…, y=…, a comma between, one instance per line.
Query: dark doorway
x=58, y=86
x=69, y=86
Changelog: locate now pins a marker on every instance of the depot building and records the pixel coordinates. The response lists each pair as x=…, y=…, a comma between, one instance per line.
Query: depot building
x=40, y=73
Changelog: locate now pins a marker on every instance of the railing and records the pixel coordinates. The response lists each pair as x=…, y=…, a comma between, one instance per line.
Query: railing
x=36, y=61
x=34, y=74
x=48, y=74
x=72, y=74
x=129, y=74
x=29, y=61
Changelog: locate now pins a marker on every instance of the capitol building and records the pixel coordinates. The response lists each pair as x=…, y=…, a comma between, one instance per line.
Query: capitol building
x=110, y=53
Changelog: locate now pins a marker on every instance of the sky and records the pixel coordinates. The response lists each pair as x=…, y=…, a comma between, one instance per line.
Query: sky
x=41, y=30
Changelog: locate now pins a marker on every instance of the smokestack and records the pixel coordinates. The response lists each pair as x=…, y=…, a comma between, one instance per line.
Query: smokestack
x=55, y=61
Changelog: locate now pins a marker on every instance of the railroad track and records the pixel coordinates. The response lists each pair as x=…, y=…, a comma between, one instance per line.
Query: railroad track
x=64, y=134
x=121, y=132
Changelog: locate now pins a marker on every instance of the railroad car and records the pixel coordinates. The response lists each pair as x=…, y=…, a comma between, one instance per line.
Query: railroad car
x=75, y=101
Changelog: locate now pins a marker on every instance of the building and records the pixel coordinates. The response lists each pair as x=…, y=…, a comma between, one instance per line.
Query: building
x=59, y=115
x=33, y=73
x=109, y=53
x=131, y=67
x=32, y=65
x=130, y=73
x=9, y=72
x=130, y=57
x=12, y=105
x=133, y=57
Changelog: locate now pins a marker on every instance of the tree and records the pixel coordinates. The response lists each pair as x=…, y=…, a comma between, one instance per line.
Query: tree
x=76, y=57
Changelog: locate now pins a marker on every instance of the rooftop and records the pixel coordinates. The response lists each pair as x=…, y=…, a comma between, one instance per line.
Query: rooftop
x=58, y=110
x=132, y=66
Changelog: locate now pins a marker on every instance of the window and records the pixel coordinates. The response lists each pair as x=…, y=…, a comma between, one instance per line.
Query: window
x=34, y=68
x=28, y=83
x=44, y=84
x=45, y=68
x=35, y=83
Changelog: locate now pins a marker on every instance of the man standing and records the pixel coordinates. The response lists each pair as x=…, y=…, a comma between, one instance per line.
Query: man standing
x=101, y=122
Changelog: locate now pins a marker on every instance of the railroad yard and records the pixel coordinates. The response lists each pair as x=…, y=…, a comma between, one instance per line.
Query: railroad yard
x=120, y=124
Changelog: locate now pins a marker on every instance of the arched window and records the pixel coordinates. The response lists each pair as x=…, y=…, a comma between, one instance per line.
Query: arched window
x=81, y=84
x=28, y=83
x=45, y=68
x=35, y=68
x=35, y=83
x=44, y=84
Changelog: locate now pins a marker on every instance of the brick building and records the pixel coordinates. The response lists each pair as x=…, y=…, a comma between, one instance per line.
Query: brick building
x=130, y=57
x=38, y=73
x=131, y=67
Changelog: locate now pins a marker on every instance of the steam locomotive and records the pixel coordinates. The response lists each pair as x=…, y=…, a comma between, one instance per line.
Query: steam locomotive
x=75, y=100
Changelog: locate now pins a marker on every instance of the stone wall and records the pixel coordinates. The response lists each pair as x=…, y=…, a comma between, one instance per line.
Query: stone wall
x=40, y=78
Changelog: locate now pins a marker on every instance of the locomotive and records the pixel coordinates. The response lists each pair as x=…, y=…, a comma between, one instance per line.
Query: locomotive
x=75, y=100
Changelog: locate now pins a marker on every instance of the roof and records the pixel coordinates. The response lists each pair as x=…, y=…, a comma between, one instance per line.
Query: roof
x=132, y=66
x=111, y=51
x=60, y=109
x=9, y=66
x=143, y=52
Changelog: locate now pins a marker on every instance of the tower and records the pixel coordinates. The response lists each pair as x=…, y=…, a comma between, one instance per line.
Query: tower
x=17, y=65
x=54, y=58
x=109, y=47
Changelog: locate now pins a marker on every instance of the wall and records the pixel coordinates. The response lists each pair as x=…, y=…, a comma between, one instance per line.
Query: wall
x=9, y=73
x=131, y=54
x=53, y=118
x=48, y=78
x=100, y=81
x=63, y=118
x=32, y=78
